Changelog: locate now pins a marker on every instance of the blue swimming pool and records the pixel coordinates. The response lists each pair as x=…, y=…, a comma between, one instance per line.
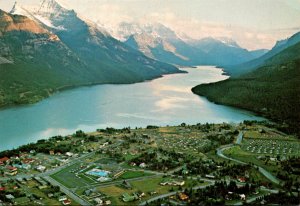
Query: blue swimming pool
x=98, y=173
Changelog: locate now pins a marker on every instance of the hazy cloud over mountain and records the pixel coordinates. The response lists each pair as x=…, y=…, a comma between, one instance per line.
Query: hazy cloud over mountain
x=253, y=24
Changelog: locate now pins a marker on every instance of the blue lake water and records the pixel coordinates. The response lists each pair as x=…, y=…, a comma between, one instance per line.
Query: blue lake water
x=164, y=101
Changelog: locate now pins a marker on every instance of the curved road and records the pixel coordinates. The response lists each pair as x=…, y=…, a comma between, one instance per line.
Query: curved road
x=263, y=171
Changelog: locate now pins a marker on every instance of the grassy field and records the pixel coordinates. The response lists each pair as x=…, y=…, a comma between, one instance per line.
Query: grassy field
x=237, y=153
x=32, y=187
x=134, y=174
x=146, y=186
x=69, y=179
x=272, y=147
x=149, y=185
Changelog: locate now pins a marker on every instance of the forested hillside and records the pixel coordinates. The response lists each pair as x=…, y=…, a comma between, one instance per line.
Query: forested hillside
x=272, y=90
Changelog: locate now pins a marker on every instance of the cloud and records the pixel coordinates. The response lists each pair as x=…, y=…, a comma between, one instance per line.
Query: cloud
x=253, y=24
x=109, y=14
x=248, y=38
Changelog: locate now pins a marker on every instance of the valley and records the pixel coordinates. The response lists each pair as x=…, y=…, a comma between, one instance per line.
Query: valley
x=163, y=101
x=149, y=102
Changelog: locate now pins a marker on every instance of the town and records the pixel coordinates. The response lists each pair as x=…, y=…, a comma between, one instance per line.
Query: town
x=233, y=164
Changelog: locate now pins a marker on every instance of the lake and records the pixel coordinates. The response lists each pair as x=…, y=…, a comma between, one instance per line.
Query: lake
x=164, y=101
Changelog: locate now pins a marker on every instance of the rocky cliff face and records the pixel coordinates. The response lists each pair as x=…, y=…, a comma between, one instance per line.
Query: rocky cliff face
x=9, y=22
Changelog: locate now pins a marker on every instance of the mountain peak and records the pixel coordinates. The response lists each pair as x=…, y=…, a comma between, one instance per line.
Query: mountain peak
x=51, y=7
x=228, y=41
x=15, y=7
x=11, y=22
x=18, y=10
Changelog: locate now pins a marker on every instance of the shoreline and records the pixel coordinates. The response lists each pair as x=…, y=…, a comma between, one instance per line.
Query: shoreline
x=70, y=87
x=90, y=128
x=149, y=127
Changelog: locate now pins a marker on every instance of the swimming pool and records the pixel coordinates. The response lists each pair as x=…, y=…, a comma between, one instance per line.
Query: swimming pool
x=98, y=173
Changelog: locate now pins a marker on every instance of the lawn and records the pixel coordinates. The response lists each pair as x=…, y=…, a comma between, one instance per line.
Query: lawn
x=69, y=179
x=146, y=186
x=134, y=174
x=149, y=185
x=237, y=153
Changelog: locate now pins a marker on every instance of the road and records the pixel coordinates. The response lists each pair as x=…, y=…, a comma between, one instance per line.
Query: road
x=239, y=138
x=67, y=191
x=263, y=171
x=171, y=193
x=46, y=176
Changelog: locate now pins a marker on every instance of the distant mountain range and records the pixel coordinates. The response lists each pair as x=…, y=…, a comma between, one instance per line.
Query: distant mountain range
x=52, y=48
x=161, y=43
x=268, y=85
x=248, y=66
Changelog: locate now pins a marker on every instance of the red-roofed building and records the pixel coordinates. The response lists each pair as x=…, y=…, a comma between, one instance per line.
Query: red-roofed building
x=28, y=160
x=4, y=159
x=2, y=189
x=242, y=179
x=12, y=168
x=67, y=202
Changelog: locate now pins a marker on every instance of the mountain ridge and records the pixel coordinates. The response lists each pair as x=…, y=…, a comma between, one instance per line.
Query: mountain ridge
x=245, y=67
x=206, y=51
x=272, y=89
x=52, y=58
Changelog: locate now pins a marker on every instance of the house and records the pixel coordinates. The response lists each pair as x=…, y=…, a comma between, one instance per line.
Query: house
x=141, y=195
x=107, y=202
x=12, y=169
x=183, y=196
x=153, y=193
x=66, y=202
x=98, y=201
x=4, y=159
x=142, y=165
x=41, y=168
x=41, y=187
x=175, y=183
x=69, y=154
x=243, y=197
x=210, y=176
x=2, y=189
x=241, y=179
x=10, y=173
x=50, y=195
x=10, y=196
x=28, y=160
x=62, y=198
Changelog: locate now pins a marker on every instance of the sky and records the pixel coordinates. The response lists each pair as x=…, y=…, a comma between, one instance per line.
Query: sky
x=254, y=24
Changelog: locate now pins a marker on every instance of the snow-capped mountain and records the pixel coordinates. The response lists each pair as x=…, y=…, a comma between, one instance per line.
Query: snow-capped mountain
x=49, y=13
x=160, y=42
x=157, y=48
x=156, y=30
